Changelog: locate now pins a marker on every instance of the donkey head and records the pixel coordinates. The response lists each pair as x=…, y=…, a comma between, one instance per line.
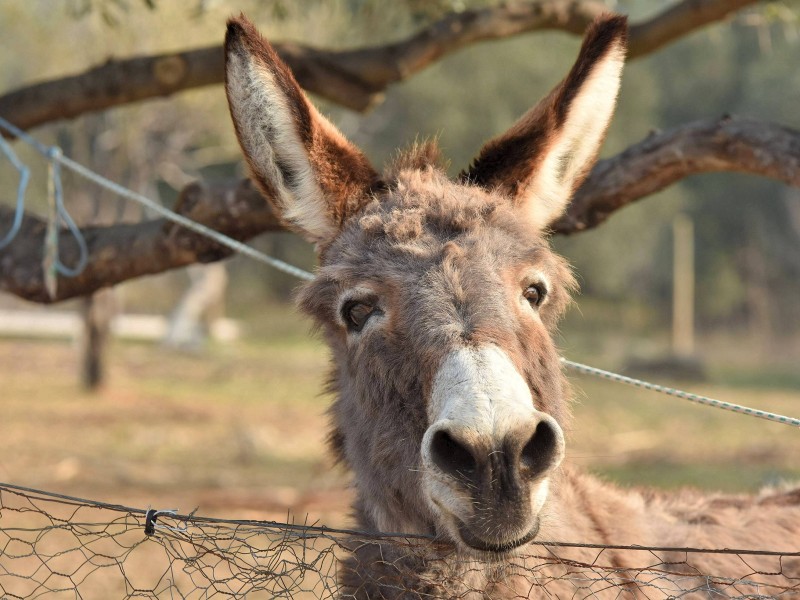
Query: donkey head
x=438, y=297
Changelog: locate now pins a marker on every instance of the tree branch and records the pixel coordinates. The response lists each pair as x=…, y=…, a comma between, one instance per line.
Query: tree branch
x=355, y=79
x=676, y=21
x=727, y=144
x=121, y=252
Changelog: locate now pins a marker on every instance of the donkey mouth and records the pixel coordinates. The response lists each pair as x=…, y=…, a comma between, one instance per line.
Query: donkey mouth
x=477, y=543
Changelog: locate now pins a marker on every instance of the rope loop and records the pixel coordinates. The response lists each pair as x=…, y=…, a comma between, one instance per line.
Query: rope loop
x=58, y=214
x=24, y=178
x=63, y=216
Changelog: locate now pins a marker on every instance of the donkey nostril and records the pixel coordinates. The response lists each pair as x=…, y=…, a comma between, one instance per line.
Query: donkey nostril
x=451, y=456
x=540, y=452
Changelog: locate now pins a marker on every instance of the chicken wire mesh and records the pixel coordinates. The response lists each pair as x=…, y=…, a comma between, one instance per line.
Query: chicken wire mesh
x=57, y=546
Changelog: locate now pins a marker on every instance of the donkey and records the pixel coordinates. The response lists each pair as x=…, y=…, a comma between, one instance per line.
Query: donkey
x=439, y=299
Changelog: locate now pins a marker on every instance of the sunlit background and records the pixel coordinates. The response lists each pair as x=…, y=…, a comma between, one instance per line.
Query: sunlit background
x=224, y=410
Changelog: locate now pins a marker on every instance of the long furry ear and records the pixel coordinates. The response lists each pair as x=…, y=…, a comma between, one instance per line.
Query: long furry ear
x=547, y=154
x=315, y=178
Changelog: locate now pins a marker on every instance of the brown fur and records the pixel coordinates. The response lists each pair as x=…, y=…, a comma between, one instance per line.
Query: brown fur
x=444, y=265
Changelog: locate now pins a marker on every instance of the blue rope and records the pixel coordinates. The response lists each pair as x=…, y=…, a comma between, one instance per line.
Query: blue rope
x=24, y=177
x=55, y=155
x=28, y=139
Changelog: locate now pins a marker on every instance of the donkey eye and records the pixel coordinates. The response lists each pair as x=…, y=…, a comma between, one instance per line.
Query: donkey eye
x=535, y=294
x=356, y=313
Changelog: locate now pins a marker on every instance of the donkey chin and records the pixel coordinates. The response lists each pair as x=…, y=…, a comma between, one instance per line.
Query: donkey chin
x=488, y=453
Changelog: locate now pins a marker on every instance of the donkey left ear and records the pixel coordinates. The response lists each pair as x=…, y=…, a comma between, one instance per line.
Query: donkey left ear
x=315, y=178
x=547, y=154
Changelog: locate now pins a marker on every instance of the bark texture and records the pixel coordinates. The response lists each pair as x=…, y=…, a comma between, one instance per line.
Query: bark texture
x=726, y=144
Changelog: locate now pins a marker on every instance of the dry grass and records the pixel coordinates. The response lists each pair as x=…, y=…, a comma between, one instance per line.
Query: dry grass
x=238, y=431
x=638, y=437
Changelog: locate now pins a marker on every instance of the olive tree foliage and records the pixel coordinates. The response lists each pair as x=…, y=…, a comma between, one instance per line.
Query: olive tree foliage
x=388, y=73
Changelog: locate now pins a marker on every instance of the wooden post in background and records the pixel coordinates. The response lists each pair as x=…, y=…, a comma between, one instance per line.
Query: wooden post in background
x=97, y=311
x=683, y=287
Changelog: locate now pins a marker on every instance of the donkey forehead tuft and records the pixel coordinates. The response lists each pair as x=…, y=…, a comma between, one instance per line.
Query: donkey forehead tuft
x=420, y=155
x=424, y=202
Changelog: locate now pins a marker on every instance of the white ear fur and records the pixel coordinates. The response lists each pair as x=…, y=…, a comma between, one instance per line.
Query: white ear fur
x=545, y=155
x=314, y=177
x=577, y=142
x=268, y=133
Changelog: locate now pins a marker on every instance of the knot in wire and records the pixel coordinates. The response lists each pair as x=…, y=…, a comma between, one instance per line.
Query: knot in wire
x=152, y=515
x=54, y=153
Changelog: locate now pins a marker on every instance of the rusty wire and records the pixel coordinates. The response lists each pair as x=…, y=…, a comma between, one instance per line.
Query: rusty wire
x=54, y=546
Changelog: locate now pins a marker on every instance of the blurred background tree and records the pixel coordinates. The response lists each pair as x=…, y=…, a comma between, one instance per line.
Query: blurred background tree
x=747, y=229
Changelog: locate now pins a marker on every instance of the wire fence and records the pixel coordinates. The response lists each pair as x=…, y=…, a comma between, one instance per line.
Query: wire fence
x=55, y=546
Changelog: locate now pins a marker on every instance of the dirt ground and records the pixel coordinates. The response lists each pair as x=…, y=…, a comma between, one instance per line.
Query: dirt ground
x=231, y=432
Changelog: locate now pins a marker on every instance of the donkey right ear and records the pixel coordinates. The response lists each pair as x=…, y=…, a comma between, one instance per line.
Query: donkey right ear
x=546, y=155
x=315, y=178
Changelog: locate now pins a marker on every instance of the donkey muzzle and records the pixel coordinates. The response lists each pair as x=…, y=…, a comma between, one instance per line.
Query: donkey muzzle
x=488, y=452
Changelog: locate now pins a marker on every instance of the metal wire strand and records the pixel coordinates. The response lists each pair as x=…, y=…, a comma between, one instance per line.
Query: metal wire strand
x=156, y=207
x=737, y=408
x=52, y=544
